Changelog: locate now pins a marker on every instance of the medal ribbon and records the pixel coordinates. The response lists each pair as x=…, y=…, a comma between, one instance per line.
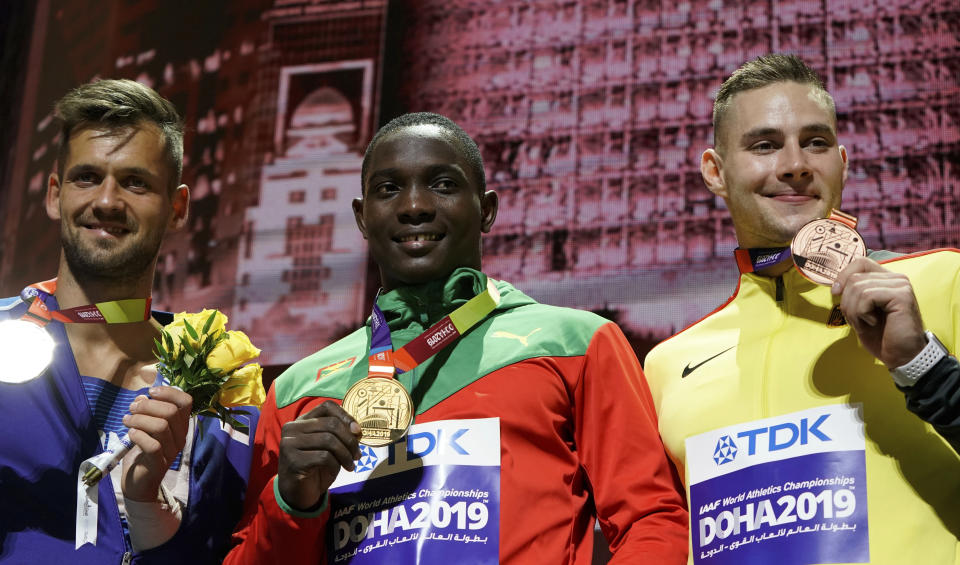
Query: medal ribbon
x=109, y=312
x=384, y=361
x=843, y=218
x=755, y=259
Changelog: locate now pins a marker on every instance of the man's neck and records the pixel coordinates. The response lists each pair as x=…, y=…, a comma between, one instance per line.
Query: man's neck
x=73, y=291
x=118, y=353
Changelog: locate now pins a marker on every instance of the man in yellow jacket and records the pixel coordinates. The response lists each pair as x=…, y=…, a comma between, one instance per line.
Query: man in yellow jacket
x=812, y=423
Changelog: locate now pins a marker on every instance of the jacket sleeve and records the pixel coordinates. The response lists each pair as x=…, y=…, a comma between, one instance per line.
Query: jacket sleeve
x=219, y=467
x=637, y=491
x=936, y=399
x=271, y=532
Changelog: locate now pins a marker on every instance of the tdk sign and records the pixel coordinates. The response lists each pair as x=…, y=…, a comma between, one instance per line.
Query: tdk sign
x=772, y=438
x=421, y=444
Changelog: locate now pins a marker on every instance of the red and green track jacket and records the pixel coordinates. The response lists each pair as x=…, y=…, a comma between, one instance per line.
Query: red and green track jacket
x=578, y=429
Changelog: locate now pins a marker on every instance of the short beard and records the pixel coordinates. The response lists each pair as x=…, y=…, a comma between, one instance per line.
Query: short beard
x=114, y=268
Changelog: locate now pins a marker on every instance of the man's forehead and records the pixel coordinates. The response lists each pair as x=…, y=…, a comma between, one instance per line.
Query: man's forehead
x=118, y=137
x=782, y=96
x=415, y=143
x=776, y=106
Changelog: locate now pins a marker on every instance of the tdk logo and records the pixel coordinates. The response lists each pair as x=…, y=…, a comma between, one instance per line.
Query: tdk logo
x=421, y=444
x=726, y=450
x=773, y=438
x=368, y=459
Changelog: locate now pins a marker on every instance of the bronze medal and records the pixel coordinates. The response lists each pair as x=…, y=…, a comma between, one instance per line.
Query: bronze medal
x=822, y=248
x=382, y=407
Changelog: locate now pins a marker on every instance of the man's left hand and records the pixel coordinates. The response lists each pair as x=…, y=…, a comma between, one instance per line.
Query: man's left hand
x=881, y=308
x=158, y=428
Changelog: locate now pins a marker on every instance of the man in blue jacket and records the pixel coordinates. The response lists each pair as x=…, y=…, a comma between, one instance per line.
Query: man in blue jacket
x=178, y=493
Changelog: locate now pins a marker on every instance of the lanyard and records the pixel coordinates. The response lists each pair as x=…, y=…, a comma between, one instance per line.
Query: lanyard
x=26, y=347
x=385, y=362
x=109, y=312
x=757, y=258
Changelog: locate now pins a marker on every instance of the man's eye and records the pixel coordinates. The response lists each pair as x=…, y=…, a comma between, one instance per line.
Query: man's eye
x=818, y=143
x=386, y=188
x=86, y=179
x=137, y=183
x=445, y=184
x=762, y=147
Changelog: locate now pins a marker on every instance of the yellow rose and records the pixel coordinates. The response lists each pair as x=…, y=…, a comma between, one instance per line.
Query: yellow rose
x=178, y=331
x=232, y=352
x=244, y=387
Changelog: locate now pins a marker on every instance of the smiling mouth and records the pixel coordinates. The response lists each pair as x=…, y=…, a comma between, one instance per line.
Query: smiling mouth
x=112, y=230
x=420, y=237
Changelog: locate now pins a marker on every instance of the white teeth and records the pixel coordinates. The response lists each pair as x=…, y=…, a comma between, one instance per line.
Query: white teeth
x=111, y=230
x=421, y=237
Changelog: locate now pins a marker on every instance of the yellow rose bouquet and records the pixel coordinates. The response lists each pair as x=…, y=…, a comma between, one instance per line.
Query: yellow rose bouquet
x=198, y=355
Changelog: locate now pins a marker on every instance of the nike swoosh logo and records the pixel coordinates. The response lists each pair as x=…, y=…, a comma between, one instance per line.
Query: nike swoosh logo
x=689, y=369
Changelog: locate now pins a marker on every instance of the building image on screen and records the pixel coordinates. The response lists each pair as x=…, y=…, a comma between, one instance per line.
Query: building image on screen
x=591, y=116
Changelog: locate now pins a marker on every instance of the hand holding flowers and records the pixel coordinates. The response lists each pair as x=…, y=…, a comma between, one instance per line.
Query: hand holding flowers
x=208, y=364
x=199, y=356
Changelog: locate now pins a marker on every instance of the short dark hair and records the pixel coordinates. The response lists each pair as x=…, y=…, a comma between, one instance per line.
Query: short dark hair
x=464, y=143
x=764, y=71
x=120, y=103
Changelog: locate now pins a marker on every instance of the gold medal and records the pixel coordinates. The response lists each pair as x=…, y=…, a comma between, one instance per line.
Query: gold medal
x=822, y=248
x=382, y=407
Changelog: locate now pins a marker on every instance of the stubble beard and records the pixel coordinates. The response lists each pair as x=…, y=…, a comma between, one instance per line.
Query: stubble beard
x=113, y=265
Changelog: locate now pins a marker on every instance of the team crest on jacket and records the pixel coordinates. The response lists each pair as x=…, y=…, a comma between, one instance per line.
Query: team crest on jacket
x=836, y=318
x=333, y=368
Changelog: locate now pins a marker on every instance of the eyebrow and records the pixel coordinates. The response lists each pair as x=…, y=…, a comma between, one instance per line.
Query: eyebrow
x=819, y=128
x=430, y=171
x=84, y=167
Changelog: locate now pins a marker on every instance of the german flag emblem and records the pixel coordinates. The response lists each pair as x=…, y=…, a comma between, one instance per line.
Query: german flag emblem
x=836, y=318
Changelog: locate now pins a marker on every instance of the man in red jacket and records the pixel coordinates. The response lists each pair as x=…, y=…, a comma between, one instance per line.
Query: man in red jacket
x=531, y=421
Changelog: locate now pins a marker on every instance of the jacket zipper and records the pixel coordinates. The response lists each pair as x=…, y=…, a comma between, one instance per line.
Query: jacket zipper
x=780, y=296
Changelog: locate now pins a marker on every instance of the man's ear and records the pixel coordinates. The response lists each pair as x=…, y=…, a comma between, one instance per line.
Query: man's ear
x=843, y=156
x=711, y=169
x=181, y=207
x=489, y=204
x=52, y=200
x=358, y=215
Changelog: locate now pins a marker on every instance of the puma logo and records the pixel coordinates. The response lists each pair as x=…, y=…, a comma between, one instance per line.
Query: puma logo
x=521, y=338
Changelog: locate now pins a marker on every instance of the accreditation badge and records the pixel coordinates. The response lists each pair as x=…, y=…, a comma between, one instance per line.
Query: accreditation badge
x=26, y=350
x=790, y=490
x=432, y=498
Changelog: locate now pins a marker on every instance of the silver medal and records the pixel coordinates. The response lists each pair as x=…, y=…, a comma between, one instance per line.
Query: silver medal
x=26, y=350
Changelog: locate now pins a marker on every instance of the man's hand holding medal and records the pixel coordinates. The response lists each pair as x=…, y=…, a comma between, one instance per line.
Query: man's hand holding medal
x=879, y=304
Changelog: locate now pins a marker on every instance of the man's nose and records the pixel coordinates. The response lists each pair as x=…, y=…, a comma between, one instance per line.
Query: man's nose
x=417, y=205
x=108, y=196
x=792, y=165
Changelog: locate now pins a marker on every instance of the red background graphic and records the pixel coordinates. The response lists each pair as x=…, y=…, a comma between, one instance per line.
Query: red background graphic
x=591, y=115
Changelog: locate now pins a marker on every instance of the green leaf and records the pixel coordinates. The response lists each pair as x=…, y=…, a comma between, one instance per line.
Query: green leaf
x=188, y=360
x=206, y=327
x=190, y=331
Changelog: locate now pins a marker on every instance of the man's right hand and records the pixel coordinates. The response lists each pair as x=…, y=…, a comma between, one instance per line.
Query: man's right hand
x=312, y=449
